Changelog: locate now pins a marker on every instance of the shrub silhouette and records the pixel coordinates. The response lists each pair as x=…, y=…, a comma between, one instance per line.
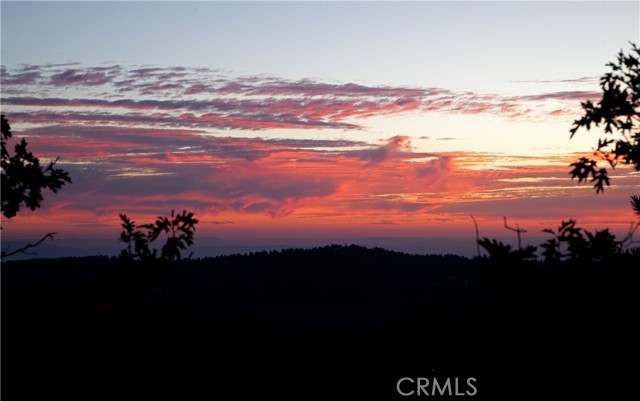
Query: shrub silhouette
x=576, y=244
x=503, y=263
x=499, y=251
x=570, y=245
x=179, y=230
x=143, y=283
x=502, y=253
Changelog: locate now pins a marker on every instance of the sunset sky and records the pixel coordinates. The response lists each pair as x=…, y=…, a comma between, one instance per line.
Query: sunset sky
x=314, y=120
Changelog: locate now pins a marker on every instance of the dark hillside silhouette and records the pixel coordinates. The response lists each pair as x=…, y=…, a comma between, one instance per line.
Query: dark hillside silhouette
x=314, y=323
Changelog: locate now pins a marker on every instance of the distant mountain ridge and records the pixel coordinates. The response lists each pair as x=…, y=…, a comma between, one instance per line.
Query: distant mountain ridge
x=211, y=247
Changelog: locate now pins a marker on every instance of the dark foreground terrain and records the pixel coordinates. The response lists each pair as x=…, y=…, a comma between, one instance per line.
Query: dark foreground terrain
x=332, y=323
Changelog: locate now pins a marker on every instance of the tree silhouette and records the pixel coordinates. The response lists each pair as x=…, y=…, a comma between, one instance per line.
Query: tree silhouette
x=580, y=246
x=618, y=113
x=570, y=245
x=23, y=179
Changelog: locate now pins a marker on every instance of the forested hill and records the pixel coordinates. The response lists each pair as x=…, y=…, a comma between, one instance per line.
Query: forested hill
x=319, y=287
x=331, y=322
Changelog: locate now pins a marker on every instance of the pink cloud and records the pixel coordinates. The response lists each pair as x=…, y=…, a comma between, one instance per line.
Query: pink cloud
x=312, y=89
x=147, y=139
x=436, y=168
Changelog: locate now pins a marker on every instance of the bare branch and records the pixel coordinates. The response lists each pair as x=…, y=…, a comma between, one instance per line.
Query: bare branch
x=6, y=254
x=517, y=230
x=475, y=223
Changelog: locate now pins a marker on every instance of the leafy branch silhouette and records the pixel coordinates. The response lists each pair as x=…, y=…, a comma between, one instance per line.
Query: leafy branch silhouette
x=23, y=178
x=618, y=112
x=179, y=230
x=635, y=204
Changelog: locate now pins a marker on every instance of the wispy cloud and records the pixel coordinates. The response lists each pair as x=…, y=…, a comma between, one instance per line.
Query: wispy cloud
x=76, y=77
x=18, y=78
x=146, y=138
x=210, y=98
x=580, y=80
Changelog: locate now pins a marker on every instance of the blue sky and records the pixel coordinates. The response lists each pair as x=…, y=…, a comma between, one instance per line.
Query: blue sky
x=477, y=45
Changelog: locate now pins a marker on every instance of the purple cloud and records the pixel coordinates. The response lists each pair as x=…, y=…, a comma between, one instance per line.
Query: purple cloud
x=76, y=77
x=27, y=76
x=246, y=103
x=566, y=95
